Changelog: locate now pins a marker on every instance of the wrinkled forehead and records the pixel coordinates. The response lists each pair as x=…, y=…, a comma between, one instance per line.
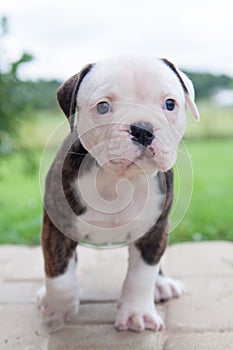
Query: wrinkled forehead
x=126, y=78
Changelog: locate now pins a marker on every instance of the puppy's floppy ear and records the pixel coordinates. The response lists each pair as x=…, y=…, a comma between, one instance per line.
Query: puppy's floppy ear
x=190, y=96
x=187, y=87
x=67, y=94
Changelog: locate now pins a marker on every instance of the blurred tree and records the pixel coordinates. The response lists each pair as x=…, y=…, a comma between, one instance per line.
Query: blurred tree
x=41, y=94
x=13, y=105
x=207, y=84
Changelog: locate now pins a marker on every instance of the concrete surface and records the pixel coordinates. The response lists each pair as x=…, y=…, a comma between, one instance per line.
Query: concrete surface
x=202, y=319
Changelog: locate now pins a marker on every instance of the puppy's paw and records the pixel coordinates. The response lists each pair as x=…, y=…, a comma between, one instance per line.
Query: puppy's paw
x=167, y=288
x=132, y=317
x=57, y=310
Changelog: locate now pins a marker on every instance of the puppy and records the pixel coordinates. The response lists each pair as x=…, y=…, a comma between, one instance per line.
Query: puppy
x=111, y=183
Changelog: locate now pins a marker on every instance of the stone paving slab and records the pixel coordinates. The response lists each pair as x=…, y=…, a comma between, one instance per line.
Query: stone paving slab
x=200, y=341
x=101, y=272
x=21, y=328
x=200, y=320
x=103, y=313
x=199, y=259
x=207, y=306
x=19, y=293
x=21, y=263
x=104, y=337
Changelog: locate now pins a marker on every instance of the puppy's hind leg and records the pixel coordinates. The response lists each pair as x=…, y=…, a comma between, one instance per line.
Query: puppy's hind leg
x=59, y=298
x=167, y=288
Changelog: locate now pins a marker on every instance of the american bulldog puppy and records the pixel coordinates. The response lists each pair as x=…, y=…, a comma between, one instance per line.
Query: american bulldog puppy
x=111, y=183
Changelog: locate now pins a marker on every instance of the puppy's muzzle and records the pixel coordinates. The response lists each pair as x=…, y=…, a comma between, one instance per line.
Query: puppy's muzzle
x=142, y=134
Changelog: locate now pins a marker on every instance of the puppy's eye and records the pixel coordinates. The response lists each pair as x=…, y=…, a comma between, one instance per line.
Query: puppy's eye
x=103, y=107
x=170, y=104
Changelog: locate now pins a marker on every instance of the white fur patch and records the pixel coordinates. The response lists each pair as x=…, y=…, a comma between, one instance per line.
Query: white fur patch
x=136, y=309
x=118, y=209
x=59, y=298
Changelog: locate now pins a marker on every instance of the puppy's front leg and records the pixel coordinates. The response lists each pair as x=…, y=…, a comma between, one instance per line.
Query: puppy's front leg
x=59, y=298
x=136, y=308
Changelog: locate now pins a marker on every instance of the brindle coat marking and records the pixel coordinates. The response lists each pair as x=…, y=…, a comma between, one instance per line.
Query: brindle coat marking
x=57, y=248
x=153, y=244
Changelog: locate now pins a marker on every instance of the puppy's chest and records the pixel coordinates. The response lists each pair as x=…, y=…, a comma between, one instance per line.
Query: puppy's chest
x=117, y=209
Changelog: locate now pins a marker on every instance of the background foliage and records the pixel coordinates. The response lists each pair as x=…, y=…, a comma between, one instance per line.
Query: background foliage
x=207, y=84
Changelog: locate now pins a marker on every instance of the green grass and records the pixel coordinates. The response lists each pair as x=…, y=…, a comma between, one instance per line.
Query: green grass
x=20, y=202
x=209, y=216
x=216, y=122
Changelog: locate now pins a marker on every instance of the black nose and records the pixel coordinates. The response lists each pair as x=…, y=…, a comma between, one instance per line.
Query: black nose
x=142, y=133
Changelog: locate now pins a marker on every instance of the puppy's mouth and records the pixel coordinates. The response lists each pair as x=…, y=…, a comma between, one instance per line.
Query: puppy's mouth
x=120, y=165
x=121, y=162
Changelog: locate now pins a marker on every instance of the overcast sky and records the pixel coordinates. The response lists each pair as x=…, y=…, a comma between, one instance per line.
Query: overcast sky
x=65, y=35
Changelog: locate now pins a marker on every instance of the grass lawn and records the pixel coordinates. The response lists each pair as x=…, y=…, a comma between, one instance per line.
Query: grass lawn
x=20, y=202
x=209, y=216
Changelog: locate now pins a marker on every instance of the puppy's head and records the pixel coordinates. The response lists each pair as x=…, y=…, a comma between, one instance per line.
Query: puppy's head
x=131, y=112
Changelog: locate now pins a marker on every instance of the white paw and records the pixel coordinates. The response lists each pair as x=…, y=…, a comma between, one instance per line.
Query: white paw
x=57, y=309
x=167, y=288
x=132, y=317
